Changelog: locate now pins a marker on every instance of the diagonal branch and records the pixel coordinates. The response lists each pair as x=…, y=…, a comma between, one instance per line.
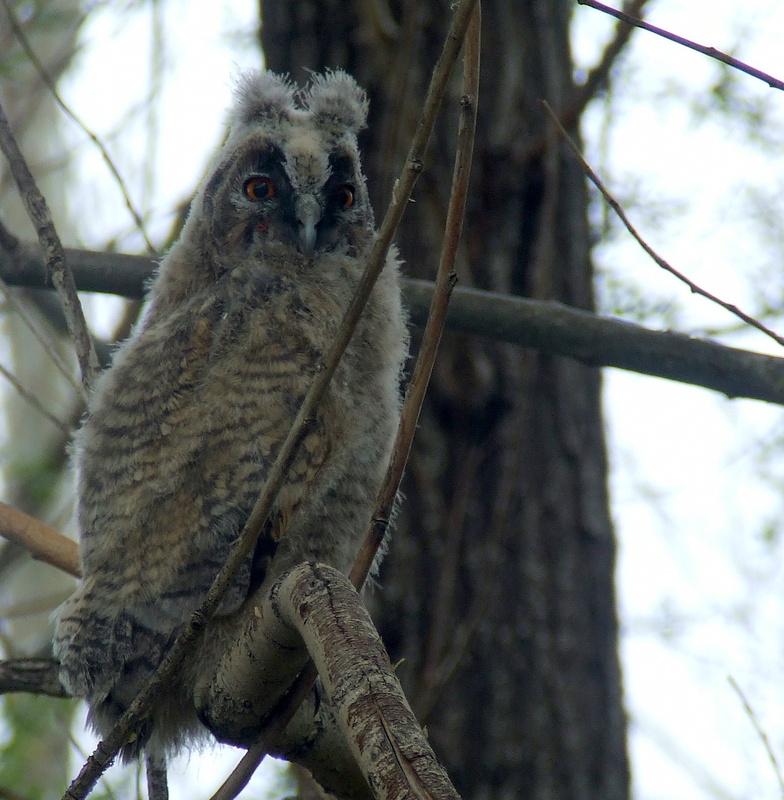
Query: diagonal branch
x=598, y=75
x=11, y=245
x=46, y=78
x=42, y=542
x=436, y=319
x=322, y=606
x=56, y=264
x=760, y=732
x=712, y=52
x=616, y=207
x=34, y=402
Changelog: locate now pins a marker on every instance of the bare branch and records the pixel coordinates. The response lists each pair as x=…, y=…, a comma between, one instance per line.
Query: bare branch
x=763, y=736
x=605, y=342
x=615, y=205
x=279, y=718
x=360, y=684
x=45, y=341
x=313, y=609
x=44, y=75
x=33, y=675
x=445, y=281
x=44, y=543
x=11, y=245
x=774, y=83
x=30, y=398
x=572, y=112
x=108, y=273
x=57, y=266
x=599, y=74
x=543, y=325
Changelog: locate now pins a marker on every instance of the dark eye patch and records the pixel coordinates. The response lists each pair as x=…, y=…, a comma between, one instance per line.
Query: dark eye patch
x=340, y=189
x=342, y=168
x=266, y=161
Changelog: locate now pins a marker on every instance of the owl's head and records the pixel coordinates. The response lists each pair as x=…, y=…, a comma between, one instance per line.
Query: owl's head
x=289, y=179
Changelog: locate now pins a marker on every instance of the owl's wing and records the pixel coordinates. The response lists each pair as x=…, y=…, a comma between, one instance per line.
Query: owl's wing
x=111, y=640
x=92, y=647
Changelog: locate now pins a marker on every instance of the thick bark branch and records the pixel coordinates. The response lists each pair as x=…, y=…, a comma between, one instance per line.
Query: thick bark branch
x=549, y=326
x=315, y=605
x=606, y=342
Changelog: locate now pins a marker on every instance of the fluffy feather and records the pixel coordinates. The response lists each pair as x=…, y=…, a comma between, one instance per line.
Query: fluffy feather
x=183, y=428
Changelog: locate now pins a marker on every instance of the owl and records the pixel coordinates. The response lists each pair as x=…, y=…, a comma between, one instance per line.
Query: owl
x=182, y=430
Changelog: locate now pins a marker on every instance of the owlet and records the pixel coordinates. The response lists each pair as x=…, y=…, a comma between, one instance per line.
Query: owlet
x=182, y=430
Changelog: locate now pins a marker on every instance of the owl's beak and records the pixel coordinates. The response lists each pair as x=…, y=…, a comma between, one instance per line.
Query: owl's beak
x=308, y=217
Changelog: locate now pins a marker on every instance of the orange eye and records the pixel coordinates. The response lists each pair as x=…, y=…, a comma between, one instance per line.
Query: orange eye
x=345, y=195
x=259, y=187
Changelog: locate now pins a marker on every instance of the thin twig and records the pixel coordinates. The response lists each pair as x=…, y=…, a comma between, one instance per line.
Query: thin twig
x=615, y=205
x=44, y=543
x=445, y=281
x=30, y=398
x=56, y=264
x=597, y=76
x=712, y=52
x=763, y=736
x=118, y=736
x=44, y=75
x=44, y=340
x=12, y=246
x=280, y=717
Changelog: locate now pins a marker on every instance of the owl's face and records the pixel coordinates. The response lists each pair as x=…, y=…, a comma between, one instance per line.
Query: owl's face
x=305, y=199
x=289, y=178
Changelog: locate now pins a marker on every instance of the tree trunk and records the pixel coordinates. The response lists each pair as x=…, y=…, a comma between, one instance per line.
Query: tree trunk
x=498, y=589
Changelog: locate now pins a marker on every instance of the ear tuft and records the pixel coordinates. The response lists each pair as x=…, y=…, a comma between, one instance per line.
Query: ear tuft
x=261, y=95
x=337, y=101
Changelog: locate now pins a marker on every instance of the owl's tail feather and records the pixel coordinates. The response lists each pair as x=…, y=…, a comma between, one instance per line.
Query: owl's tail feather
x=157, y=783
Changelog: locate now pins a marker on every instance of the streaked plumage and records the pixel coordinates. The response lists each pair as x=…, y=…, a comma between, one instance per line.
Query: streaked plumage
x=182, y=429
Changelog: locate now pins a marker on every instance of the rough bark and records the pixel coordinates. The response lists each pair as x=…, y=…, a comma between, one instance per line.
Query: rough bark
x=498, y=591
x=363, y=732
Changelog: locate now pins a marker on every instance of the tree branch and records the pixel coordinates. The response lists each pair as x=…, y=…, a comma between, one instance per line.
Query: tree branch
x=712, y=52
x=436, y=318
x=33, y=675
x=543, y=325
x=44, y=543
x=314, y=610
x=598, y=75
x=46, y=78
x=56, y=265
x=361, y=686
x=616, y=207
